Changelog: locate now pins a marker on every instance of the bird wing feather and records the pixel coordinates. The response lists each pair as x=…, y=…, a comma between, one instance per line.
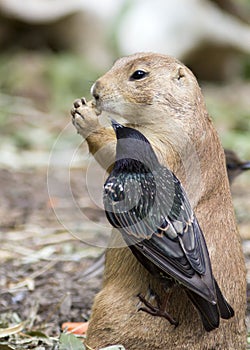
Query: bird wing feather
x=162, y=227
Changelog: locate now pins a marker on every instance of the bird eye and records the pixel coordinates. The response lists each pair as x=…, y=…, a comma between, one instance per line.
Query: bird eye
x=138, y=74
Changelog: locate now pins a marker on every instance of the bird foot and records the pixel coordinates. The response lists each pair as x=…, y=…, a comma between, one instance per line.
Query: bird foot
x=156, y=310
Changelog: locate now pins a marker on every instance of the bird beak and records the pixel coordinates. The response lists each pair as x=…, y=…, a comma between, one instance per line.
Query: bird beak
x=115, y=125
x=245, y=166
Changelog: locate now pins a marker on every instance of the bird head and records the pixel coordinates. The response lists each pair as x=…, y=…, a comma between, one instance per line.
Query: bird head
x=133, y=149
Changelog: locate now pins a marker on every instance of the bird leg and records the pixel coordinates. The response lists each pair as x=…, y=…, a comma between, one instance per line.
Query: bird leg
x=159, y=310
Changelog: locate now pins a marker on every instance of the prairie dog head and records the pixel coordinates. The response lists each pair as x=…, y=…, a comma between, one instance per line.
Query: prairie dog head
x=145, y=87
x=161, y=96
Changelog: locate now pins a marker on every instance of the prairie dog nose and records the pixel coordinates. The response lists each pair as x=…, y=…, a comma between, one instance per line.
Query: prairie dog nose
x=95, y=90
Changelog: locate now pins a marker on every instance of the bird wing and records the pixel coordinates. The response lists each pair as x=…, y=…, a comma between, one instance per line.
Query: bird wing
x=157, y=219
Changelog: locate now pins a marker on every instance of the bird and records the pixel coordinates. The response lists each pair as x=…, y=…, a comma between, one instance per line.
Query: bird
x=146, y=202
x=235, y=166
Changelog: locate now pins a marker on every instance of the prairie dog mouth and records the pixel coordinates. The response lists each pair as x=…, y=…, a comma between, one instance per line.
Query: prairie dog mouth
x=106, y=115
x=97, y=109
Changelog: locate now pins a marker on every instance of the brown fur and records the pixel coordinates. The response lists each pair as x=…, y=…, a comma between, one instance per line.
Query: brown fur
x=168, y=108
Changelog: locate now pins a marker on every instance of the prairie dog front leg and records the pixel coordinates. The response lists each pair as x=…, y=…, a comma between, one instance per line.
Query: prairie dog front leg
x=101, y=140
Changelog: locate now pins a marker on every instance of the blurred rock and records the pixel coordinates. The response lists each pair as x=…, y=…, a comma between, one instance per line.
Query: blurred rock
x=208, y=35
x=198, y=32
x=235, y=8
x=56, y=25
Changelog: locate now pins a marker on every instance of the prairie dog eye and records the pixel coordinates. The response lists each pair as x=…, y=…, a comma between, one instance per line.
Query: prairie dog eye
x=138, y=74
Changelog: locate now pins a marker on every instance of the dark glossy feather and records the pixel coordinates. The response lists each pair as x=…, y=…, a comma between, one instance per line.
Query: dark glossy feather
x=156, y=217
x=149, y=206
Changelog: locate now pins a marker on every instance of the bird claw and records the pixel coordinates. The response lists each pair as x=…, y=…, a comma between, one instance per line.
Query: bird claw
x=156, y=310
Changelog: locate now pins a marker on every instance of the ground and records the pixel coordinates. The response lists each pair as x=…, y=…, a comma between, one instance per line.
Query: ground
x=52, y=223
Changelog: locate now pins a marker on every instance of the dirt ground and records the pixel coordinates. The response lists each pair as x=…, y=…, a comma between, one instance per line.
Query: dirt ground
x=42, y=263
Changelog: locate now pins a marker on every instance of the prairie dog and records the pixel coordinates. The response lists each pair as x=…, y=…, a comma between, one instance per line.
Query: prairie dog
x=161, y=97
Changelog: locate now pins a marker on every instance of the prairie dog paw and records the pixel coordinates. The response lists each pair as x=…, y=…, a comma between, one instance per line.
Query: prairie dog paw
x=84, y=117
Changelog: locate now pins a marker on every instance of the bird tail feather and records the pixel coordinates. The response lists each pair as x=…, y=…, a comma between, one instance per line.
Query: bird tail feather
x=210, y=313
x=226, y=311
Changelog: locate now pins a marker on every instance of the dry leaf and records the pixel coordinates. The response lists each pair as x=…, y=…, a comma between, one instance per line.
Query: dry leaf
x=70, y=342
x=4, y=332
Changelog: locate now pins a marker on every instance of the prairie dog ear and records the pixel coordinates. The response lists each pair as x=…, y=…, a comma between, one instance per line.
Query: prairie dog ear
x=179, y=76
x=180, y=73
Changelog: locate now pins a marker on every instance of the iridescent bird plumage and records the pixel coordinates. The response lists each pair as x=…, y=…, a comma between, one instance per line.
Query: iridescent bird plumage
x=147, y=203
